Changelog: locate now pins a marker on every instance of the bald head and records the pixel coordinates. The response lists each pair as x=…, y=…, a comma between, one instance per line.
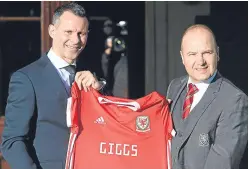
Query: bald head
x=199, y=52
x=197, y=28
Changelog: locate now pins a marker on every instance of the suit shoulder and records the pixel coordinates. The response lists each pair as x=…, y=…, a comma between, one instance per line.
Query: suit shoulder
x=174, y=84
x=34, y=67
x=177, y=80
x=227, y=85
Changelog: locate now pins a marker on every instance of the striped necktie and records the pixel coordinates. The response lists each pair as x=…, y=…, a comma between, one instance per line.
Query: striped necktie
x=192, y=89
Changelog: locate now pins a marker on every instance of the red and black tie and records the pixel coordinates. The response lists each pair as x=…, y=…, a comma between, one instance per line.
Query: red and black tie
x=192, y=89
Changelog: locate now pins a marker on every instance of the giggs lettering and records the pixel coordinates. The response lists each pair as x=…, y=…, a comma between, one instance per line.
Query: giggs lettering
x=118, y=149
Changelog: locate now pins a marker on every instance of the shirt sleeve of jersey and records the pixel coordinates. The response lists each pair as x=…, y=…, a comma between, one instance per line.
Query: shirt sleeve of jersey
x=166, y=116
x=169, y=131
x=72, y=121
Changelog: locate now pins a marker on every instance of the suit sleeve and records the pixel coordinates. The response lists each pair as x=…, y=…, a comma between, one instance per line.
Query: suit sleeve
x=19, y=111
x=168, y=90
x=231, y=136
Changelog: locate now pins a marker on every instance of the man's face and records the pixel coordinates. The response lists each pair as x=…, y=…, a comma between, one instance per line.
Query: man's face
x=199, y=54
x=69, y=36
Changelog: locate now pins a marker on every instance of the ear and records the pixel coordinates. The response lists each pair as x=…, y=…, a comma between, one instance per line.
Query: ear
x=182, y=56
x=51, y=30
x=218, y=53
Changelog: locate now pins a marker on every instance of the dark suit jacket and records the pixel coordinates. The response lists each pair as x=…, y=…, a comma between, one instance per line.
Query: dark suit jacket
x=215, y=133
x=35, y=133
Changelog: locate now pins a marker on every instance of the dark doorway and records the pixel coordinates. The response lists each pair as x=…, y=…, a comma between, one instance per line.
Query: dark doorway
x=227, y=20
x=20, y=42
x=133, y=13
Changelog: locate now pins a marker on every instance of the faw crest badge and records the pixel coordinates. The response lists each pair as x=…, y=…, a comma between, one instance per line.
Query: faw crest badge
x=142, y=123
x=203, y=140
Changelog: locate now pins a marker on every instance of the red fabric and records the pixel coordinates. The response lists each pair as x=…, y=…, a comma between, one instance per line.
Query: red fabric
x=192, y=89
x=113, y=136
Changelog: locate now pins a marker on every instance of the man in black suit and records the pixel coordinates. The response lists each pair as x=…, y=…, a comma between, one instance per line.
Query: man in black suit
x=35, y=135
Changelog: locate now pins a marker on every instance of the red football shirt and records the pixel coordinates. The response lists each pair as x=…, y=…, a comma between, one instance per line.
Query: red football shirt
x=115, y=133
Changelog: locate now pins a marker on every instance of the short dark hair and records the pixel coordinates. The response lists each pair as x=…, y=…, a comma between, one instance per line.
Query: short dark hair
x=73, y=7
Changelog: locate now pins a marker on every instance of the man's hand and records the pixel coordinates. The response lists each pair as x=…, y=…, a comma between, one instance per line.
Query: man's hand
x=85, y=80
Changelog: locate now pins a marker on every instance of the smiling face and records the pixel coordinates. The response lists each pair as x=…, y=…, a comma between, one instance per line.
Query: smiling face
x=69, y=36
x=199, y=54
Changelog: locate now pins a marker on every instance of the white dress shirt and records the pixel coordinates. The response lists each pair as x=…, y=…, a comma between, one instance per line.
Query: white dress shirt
x=59, y=64
x=202, y=87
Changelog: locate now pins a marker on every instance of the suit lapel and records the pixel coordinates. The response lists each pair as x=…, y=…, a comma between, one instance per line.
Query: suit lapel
x=201, y=107
x=53, y=76
x=180, y=86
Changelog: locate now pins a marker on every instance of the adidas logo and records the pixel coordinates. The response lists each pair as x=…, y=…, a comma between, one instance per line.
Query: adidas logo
x=100, y=120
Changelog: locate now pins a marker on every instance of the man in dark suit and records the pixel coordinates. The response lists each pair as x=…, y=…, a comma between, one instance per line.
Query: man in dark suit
x=210, y=114
x=35, y=135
